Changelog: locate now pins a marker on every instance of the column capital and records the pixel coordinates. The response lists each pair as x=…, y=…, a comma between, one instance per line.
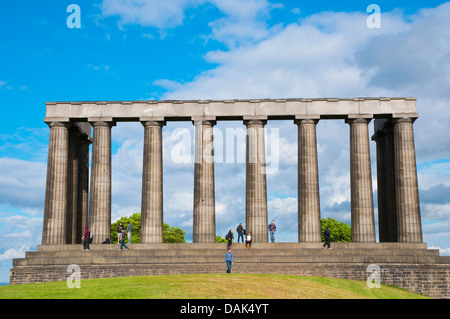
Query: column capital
x=203, y=122
x=96, y=123
x=306, y=121
x=148, y=123
x=59, y=124
x=255, y=122
x=408, y=120
x=358, y=120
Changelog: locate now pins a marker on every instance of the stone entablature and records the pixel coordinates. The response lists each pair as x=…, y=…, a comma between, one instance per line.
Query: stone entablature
x=263, y=109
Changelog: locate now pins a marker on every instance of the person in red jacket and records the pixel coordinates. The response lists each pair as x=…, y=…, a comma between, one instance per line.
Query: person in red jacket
x=86, y=238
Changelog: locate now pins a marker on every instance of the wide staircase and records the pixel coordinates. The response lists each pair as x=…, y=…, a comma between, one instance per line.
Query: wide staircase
x=408, y=265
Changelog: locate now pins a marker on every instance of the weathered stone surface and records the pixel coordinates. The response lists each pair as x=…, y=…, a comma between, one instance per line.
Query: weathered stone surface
x=152, y=184
x=231, y=109
x=256, y=188
x=406, y=184
x=55, y=209
x=204, y=228
x=363, y=224
x=100, y=196
x=308, y=183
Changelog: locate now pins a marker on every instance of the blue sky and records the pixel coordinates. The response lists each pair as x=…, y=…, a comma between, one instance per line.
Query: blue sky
x=185, y=49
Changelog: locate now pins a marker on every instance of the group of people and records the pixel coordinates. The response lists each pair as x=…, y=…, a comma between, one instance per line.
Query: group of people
x=241, y=233
x=229, y=260
x=121, y=236
x=248, y=237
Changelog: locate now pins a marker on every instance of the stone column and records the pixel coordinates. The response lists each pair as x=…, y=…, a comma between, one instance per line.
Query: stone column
x=406, y=184
x=204, y=228
x=308, y=183
x=83, y=186
x=387, y=211
x=55, y=209
x=100, y=192
x=152, y=184
x=363, y=225
x=256, y=190
x=72, y=187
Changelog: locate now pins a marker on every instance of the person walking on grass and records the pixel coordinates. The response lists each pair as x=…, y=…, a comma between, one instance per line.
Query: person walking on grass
x=122, y=241
x=229, y=260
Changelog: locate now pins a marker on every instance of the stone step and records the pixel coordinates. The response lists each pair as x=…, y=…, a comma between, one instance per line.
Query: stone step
x=236, y=252
x=199, y=246
x=215, y=252
x=124, y=258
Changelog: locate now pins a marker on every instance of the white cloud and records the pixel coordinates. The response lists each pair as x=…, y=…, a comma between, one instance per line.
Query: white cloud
x=21, y=182
x=11, y=253
x=149, y=13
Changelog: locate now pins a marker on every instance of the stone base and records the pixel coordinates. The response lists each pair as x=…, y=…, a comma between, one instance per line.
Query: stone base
x=409, y=266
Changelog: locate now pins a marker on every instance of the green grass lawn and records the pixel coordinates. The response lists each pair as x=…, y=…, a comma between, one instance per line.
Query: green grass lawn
x=210, y=286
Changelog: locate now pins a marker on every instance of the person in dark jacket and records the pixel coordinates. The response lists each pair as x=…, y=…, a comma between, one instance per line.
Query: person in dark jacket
x=86, y=238
x=327, y=236
x=240, y=231
x=230, y=238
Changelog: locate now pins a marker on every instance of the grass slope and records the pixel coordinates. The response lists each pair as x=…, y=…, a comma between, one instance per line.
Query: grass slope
x=210, y=286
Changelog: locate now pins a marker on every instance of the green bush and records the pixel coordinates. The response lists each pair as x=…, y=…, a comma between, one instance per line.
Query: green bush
x=170, y=234
x=173, y=234
x=340, y=231
x=220, y=239
x=135, y=221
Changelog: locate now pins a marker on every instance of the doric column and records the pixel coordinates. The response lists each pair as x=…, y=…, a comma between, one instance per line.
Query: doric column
x=72, y=187
x=308, y=183
x=204, y=228
x=406, y=184
x=152, y=184
x=55, y=209
x=363, y=225
x=256, y=190
x=100, y=192
x=83, y=186
x=387, y=211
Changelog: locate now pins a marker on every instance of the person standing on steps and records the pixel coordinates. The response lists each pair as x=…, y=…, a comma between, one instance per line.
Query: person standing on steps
x=240, y=231
x=119, y=232
x=248, y=240
x=129, y=232
x=272, y=230
x=230, y=238
x=86, y=238
x=327, y=236
x=122, y=241
x=229, y=260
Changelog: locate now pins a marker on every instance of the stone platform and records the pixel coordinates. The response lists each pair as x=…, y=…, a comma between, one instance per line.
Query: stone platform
x=407, y=265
